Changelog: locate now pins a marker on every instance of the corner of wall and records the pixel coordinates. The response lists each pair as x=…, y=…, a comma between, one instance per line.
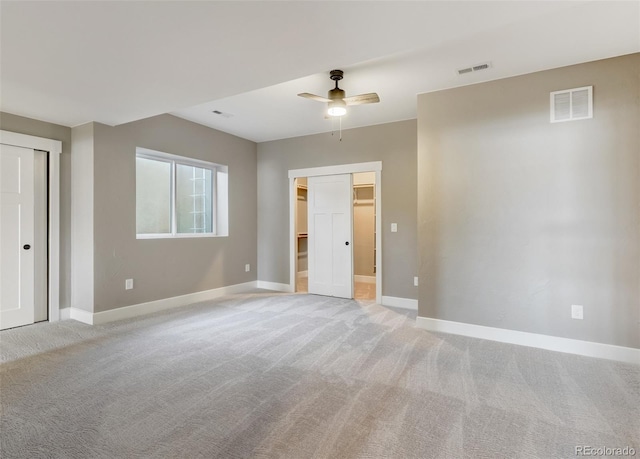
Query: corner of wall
x=82, y=269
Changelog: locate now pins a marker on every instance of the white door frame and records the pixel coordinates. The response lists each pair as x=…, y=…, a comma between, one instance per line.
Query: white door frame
x=373, y=166
x=54, y=147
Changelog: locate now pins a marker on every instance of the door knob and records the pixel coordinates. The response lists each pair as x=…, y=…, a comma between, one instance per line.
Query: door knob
x=346, y=243
x=26, y=247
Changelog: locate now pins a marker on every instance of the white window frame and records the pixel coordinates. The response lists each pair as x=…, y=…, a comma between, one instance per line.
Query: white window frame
x=174, y=161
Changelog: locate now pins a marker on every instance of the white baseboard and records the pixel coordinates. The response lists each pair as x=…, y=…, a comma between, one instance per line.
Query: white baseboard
x=135, y=310
x=551, y=343
x=65, y=313
x=81, y=315
x=405, y=303
x=278, y=287
x=365, y=279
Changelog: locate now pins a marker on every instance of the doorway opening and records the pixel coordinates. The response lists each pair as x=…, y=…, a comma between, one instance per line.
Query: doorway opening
x=302, y=236
x=365, y=236
x=30, y=271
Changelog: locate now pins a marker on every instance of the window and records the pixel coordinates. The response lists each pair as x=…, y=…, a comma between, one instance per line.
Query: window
x=179, y=197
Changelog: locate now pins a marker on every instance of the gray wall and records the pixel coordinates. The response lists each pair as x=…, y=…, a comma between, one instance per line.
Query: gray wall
x=394, y=144
x=163, y=268
x=519, y=218
x=14, y=123
x=82, y=221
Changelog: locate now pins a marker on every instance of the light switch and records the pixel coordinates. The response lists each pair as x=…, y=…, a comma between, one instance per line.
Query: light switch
x=394, y=227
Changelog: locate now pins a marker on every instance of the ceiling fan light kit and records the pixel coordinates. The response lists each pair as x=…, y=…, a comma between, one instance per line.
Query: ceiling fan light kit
x=336, y=98
x=337, y=108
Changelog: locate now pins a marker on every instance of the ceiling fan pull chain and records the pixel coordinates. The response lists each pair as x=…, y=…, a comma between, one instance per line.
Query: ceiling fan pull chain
x=340, y=129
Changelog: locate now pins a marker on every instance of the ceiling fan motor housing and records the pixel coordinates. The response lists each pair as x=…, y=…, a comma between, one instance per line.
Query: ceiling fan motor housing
x=336, y=93
x=336, y=75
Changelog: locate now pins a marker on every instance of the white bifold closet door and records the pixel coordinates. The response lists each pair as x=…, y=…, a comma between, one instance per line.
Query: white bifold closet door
x=17, y=208
x=330, y=229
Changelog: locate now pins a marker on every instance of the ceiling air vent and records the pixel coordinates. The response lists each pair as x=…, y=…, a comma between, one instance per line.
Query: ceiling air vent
x=572, y=104
x=219, y=113
x=474, y=68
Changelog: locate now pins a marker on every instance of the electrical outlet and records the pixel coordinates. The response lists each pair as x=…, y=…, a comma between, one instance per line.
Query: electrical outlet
x=577, y=311
x=247, y=268
x=415, y=281
x=394, y=227
x=128, y=284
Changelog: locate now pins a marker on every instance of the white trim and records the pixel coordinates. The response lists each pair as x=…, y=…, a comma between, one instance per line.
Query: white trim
x=81, y=315
x=174, y=161
x=293, y=236
x=373, y=166
x=365, y=279
x=54, y=147
x=551, y=343
x=337, y=169
x=29, y=141
x=65, y=313
x=404, y=303
x=177, y=235
x=149, y=307
x=278, y=287
x=156, y=155
x=378, y=192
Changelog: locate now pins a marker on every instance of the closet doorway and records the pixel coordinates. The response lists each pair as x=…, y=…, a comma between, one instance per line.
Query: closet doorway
x=30, y=268
x=364, y=243
x=364, y=235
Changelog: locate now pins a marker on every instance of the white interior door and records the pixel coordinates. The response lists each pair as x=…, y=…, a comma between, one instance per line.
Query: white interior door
x=330, y=229
x=16, y=236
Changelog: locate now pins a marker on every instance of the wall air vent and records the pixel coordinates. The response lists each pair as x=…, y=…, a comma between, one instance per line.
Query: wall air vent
x=571, y=104
x=474, y=68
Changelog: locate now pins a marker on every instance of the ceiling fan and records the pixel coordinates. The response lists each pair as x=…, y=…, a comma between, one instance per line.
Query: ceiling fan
x=336, y=97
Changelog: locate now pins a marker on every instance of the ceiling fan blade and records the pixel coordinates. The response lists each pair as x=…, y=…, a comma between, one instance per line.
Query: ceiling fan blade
x=306, y=95
x=370, y=98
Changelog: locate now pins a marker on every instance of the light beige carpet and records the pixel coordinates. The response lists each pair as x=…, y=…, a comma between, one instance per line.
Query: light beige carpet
x=267, y=375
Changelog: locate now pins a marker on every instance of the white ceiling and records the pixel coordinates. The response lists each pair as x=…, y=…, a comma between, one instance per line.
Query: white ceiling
x=116, y=62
